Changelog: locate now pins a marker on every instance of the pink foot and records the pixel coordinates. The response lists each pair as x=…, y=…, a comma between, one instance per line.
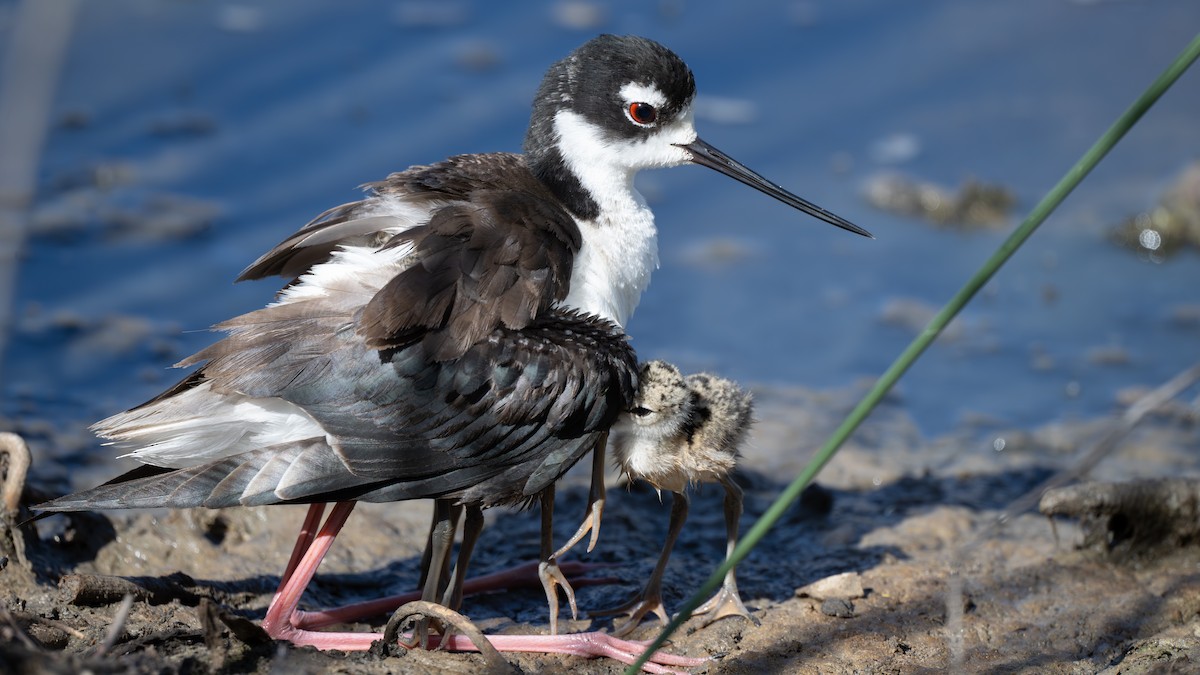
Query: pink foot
x=468, y=638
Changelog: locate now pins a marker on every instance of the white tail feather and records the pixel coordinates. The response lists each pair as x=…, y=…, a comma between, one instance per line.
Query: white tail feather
x=199, y=425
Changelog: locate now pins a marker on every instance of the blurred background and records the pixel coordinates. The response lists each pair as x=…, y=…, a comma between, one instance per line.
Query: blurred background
x=187, y=137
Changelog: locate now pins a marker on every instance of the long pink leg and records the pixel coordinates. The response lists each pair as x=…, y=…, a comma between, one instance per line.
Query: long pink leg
x=308, y=531
x=279, y=625
x=521, y=576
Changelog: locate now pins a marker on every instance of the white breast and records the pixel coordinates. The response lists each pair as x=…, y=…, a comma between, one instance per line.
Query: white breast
x=613, y=266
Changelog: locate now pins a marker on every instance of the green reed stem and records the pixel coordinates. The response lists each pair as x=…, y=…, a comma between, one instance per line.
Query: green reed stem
x=914, y=350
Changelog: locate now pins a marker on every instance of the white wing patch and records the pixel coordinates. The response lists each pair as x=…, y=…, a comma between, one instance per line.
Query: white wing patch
x=360, y=267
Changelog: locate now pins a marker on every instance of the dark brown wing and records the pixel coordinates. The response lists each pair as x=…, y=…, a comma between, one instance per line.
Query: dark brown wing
x=500, y=260
x=497, y=250
x=422, y=188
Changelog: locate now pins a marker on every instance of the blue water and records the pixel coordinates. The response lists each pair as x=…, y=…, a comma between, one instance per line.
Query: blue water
x=312, y=99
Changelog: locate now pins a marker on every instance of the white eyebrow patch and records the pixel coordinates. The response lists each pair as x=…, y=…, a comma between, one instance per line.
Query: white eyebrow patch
x=636, y=92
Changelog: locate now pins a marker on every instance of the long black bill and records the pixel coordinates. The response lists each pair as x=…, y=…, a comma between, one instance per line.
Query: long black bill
x=706, y=155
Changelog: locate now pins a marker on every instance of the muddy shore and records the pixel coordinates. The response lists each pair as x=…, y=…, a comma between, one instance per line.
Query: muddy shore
x=898, y=516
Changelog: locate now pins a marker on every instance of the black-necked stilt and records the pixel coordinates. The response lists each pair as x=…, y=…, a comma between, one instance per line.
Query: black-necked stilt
x=457, y=335
x=680, y=432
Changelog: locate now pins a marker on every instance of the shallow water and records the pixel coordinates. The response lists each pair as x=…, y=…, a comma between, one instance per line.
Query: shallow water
x=266, y=114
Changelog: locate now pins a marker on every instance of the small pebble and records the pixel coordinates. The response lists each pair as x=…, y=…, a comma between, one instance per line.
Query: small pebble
x=839, y=607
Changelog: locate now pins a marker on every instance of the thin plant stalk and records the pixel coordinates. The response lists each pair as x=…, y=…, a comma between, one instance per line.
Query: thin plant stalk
x=918, y=346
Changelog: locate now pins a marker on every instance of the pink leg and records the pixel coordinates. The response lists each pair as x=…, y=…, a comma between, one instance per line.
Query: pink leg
x=279, y=624
x=307, y=532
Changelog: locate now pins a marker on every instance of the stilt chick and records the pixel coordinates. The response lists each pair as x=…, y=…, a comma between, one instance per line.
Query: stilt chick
x=683, y=431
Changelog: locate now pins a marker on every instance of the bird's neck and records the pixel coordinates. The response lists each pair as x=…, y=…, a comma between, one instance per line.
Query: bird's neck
x=620, y=243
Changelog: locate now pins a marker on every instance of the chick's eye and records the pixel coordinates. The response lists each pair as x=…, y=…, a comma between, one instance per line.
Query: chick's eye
x=642, y=113
x=641, y=412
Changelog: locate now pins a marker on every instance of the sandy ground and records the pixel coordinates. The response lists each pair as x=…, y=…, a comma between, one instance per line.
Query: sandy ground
x=892, y=514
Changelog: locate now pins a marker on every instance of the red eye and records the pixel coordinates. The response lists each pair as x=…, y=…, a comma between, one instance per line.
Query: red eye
x=642, y=113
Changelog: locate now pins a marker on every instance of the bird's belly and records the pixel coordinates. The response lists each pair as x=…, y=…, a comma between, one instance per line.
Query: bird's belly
x=647, y=460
